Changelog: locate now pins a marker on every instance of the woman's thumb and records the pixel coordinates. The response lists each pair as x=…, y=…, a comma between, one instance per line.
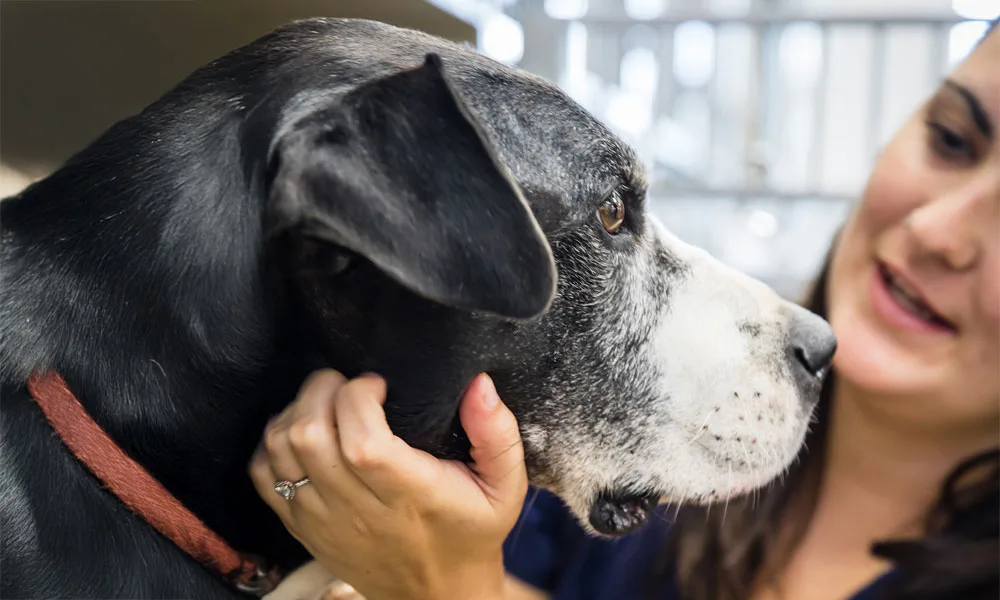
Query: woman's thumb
x=497, y=453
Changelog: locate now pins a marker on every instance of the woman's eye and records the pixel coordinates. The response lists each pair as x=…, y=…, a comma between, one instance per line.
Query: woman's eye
x=612, y=213
x=950, y=145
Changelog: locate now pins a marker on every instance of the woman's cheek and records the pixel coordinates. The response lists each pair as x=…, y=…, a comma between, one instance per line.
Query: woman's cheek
x=898, y=185
x=989, y=309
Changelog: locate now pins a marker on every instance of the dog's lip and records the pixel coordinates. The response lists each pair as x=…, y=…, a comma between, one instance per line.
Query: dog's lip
x=620, y=513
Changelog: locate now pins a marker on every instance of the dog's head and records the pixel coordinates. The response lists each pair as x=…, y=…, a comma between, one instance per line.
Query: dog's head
x=437, y=215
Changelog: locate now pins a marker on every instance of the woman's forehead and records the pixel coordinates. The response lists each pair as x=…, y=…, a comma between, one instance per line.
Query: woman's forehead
x=980, y=73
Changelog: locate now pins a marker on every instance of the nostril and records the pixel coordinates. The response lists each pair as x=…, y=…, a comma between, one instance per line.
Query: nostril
x=800, y=355
x=812, y=343
x=817, y=357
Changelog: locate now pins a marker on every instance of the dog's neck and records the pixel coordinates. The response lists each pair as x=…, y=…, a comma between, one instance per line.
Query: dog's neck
x=188, y=396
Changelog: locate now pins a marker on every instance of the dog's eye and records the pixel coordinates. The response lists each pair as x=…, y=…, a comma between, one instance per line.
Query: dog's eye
x=612, y=213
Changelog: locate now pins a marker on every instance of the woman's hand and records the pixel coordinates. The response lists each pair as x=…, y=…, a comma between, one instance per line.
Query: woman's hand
x=394, y=522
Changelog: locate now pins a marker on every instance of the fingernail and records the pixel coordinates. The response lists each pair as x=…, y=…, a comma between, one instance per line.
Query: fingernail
x=490, y=397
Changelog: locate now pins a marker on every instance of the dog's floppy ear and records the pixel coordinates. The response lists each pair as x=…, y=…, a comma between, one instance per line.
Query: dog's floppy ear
x=400, y=172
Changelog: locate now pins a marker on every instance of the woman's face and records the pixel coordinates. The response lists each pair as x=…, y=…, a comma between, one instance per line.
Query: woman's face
x=914, y=290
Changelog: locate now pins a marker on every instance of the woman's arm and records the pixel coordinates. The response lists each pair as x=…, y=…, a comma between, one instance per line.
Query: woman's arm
x=395, y=522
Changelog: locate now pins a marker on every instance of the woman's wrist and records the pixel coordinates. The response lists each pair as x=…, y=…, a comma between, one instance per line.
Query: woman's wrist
x=485, y=582
x=482, y=582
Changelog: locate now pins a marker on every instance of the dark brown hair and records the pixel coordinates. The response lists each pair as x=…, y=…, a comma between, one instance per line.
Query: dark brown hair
x=723, y=555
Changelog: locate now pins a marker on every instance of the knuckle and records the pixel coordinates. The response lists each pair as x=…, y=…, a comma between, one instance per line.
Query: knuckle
x=318, y=386
x=308, y=436
x=364, y=387
x=364, y=454
x=275, y=440
x=333, y=376
x=328, y=383
x=258, y=467
x=323, y=379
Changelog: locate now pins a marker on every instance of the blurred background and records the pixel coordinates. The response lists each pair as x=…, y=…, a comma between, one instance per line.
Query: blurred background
x=757, y=119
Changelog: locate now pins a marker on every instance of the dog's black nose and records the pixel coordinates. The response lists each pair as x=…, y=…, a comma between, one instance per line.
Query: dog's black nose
x=811, y=343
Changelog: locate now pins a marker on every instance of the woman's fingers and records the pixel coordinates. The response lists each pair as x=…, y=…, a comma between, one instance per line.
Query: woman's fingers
x=496, y=442
x=307, y=496
x=301, y=442
x=384, y=462
x=393, y=470
x=312, y=437
x=444, y=524
x=318, y=391
x=337, y=435
x=301, y=427
x=263, y=478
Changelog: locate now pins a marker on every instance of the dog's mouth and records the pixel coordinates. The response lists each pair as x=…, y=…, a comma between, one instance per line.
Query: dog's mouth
x=617, y=514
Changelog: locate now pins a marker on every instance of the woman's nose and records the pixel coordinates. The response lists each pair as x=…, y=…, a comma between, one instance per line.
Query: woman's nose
x=952, y=227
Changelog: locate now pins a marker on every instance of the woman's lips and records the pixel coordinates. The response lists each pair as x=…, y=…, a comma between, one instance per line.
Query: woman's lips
x=902, y=306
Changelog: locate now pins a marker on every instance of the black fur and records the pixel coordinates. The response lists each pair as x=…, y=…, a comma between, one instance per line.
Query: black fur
x=325, y=196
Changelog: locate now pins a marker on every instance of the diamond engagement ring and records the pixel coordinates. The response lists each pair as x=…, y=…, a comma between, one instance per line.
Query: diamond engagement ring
x=286, y=489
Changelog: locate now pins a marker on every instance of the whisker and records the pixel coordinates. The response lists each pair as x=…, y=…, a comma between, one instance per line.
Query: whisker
x=507, y=449
x=729, y=492
x=702, y=428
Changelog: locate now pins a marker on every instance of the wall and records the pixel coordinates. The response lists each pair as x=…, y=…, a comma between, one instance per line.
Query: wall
x=68, y=70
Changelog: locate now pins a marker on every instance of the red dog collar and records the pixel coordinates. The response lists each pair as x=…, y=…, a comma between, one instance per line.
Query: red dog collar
x=140, y=491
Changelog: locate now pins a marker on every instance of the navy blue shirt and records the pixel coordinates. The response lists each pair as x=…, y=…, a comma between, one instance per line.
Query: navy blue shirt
x=549, y=550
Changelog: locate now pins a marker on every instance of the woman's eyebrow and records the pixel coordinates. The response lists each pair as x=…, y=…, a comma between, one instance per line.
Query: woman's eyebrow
x=979, y=115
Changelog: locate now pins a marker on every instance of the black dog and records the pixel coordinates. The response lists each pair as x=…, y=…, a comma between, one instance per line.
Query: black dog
x=348, y=194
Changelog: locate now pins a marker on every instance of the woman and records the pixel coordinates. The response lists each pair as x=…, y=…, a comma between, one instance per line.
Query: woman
x=897, y=494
